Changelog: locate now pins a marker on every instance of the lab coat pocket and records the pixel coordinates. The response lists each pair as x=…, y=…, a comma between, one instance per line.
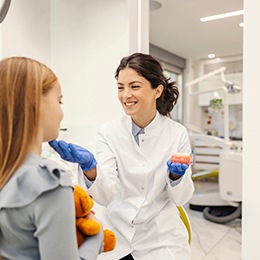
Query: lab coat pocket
x=167, y=220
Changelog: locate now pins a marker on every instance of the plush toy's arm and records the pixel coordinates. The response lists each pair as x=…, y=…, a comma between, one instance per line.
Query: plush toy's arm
x=109, y=240
x=87, y=224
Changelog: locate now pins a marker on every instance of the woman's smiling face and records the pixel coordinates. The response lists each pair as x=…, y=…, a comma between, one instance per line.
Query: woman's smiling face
x=137, y=97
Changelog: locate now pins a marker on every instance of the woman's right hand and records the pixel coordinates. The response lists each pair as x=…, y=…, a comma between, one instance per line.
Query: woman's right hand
x=74, y=153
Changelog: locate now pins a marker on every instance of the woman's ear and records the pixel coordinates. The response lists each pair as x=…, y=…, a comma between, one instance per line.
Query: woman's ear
x=158, y=91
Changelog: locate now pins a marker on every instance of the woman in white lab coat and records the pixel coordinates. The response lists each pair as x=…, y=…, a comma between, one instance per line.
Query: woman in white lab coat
x=133, y=177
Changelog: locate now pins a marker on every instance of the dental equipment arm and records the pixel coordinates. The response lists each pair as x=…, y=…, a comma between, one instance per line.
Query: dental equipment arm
x=222, y=88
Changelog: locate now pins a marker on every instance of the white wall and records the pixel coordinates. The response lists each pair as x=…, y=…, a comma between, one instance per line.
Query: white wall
x=251, y=172
x=191, y=110
x=83, y=42
x=26, y=30
x=88, y=39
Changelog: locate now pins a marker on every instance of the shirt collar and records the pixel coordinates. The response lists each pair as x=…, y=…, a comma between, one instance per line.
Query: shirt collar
x=136, y=129
x=154, y=124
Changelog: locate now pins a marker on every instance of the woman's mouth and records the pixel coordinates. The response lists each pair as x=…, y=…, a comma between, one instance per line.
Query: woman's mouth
x=130, y=104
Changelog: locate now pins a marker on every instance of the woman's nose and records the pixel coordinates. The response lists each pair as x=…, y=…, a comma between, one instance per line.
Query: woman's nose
x=127, y=93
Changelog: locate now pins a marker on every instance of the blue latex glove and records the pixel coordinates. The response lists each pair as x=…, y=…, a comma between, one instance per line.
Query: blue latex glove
x=74, y=153
x=177, y=168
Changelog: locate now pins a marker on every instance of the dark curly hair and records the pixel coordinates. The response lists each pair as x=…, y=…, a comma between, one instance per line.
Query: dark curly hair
x=149, y=68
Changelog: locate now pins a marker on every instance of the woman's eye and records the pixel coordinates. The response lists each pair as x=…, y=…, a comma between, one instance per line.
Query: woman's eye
x=120, y=88
x=135, y=87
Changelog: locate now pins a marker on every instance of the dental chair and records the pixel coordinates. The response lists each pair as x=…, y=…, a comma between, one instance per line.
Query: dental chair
x=222, y=204
x=184, y=217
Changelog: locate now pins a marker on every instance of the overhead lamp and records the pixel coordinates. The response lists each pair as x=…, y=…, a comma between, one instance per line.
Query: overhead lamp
x=221, y=16
x=155, y=5
x=211, y=55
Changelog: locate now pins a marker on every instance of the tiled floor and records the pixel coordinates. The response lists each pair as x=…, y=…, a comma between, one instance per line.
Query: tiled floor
x=212, y=241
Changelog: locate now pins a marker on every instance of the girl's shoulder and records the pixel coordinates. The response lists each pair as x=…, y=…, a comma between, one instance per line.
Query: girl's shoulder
x=34, y=177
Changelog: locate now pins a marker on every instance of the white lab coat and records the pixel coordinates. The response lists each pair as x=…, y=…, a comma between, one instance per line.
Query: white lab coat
x=132, y=181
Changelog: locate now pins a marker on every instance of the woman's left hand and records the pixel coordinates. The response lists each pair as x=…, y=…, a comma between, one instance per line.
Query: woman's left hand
x=177, y=168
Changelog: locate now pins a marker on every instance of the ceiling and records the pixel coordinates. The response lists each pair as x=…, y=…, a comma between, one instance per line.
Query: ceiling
x=176, y=28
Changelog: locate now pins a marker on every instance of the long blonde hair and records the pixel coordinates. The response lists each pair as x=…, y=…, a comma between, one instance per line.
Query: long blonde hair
x=22, y=83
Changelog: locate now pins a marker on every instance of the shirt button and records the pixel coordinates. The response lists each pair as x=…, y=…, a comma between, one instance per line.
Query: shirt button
x=142, y=188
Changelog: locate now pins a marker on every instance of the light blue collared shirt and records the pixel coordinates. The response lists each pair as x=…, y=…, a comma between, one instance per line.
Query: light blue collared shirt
x=136, y=131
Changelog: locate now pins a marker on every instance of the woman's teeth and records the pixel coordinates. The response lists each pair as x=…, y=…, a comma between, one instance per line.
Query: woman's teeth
x=128, y=104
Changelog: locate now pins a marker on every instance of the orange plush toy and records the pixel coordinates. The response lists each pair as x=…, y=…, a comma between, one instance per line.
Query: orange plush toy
x=85, y=224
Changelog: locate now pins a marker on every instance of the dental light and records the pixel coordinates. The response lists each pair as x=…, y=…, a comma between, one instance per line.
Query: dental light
x=231, y=87
x=4, y=10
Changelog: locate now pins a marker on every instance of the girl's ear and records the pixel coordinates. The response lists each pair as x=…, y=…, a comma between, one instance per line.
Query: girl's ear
x=158, y=91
